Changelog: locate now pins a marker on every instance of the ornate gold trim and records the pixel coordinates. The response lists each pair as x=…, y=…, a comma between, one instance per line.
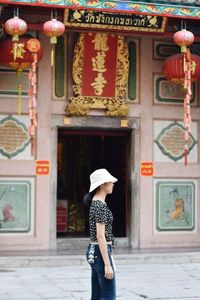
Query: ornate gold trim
x=113, y=106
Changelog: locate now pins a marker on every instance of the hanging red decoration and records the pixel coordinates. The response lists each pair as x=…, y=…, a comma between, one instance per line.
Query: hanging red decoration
x=53, y=29
x=183, y=38
x=15, y=27
x=34, y=46
x=28, y=54
x=174, y=68
x=20, y=59
x=184, y=68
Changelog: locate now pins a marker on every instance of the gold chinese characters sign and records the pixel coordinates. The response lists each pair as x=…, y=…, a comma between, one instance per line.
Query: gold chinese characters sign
x=100, y=74
x=114, y=21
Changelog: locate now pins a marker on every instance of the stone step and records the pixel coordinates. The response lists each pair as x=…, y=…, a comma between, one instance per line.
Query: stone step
x=62, y=260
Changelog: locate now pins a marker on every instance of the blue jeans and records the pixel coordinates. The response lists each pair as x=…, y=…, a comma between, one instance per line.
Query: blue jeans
x=102, y=288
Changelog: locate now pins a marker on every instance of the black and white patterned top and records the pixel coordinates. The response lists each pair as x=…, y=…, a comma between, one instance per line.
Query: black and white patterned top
x=100, y=213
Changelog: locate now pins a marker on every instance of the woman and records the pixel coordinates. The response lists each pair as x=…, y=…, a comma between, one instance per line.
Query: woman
x=99, y=253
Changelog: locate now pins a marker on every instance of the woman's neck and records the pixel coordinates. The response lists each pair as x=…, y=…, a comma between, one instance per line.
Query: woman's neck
x=100, y=195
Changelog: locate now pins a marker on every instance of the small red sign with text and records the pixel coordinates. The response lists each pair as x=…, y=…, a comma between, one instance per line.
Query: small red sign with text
x=42, y=167
x=146, y=168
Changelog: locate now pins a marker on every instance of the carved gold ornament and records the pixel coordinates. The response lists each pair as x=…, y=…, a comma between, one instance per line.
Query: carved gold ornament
x=113, y=106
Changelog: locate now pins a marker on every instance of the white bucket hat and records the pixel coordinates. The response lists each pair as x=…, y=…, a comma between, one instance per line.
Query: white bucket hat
x=99, y=177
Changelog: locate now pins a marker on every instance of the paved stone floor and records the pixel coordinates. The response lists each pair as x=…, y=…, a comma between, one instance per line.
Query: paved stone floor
x=134, y=282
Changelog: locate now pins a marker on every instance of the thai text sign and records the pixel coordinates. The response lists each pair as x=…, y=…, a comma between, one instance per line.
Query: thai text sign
x=110, y=20
x=42, y=167
x=146, y=169
x=99, y=65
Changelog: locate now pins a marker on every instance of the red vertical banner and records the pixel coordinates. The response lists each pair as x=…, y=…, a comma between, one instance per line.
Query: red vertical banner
x=62, y=216
x=99, y=65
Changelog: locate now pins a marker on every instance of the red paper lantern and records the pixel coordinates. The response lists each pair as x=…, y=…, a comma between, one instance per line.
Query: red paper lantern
x=53, y=29
x=173, y=67
x=183, y=38
x=15, y=27
x=16, y=55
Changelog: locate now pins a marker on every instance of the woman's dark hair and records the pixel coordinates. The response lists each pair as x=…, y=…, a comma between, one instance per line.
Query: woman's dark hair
x=87, y=198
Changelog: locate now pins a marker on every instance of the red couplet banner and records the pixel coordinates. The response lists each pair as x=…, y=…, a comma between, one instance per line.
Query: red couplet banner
x=62, y=216
x=99, y=65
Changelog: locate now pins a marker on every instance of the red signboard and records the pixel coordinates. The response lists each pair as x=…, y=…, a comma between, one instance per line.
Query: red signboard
x=42, y=167
x=99, y=65
x=146, y=169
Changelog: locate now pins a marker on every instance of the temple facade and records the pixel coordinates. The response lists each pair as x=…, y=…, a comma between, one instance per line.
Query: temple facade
x=109, y=87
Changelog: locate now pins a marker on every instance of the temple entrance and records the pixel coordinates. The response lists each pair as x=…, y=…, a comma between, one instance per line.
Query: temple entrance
x=80, y=152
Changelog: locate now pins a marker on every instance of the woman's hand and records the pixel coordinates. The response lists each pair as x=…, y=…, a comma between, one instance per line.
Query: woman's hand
x=108, y=272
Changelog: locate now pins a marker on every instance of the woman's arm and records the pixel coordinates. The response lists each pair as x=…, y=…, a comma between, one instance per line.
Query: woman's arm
x=103, y=248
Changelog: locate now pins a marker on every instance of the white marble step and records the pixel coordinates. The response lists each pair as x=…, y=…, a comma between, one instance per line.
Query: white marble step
x=128, y=257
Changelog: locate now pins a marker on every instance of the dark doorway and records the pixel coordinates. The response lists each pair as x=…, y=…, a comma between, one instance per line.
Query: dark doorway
x=80, y=152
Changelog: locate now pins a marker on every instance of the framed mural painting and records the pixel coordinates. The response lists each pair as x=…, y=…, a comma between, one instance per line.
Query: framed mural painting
x=175, y=205
x=169, y=92
x=15, y=205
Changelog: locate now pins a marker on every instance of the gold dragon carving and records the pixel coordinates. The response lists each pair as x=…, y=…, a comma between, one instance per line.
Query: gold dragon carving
x=113, y=106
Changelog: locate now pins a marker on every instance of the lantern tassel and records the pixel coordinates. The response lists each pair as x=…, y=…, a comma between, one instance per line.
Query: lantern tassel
x=19, y=74
x=52, y=56
x=19, y=98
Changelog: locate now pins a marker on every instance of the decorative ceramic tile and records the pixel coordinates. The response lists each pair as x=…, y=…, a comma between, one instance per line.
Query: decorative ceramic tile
x=168, y=92
x=175, y=204
x=15, y=205
x=169, y=142
x=14, y=136
x=185, y=9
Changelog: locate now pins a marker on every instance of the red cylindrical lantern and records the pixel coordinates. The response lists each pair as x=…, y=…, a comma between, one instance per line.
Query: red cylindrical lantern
x=183, y=38
x=173, y=67
x=16, y=55
x=15, y=27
